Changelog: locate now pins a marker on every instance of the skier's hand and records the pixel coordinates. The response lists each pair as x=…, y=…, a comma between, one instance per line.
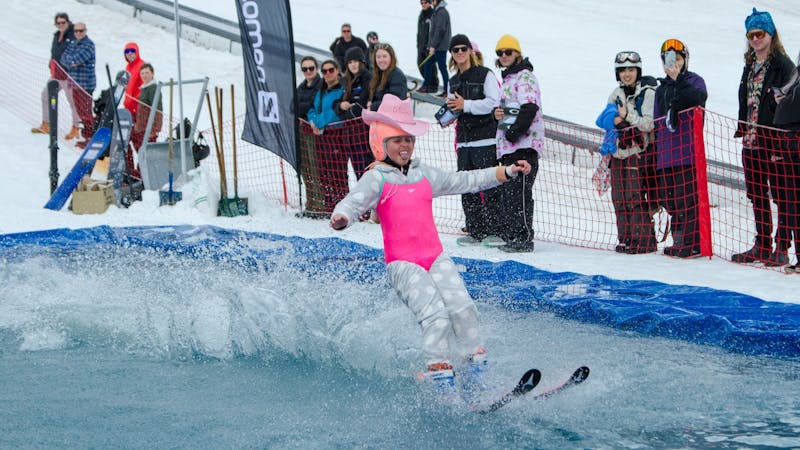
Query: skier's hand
x=521, y=166
x=339, y=222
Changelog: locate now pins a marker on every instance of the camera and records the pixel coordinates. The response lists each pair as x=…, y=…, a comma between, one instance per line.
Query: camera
x=446, y=116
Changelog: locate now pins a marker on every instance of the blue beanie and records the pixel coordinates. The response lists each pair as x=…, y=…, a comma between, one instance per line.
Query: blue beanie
x=760, y=20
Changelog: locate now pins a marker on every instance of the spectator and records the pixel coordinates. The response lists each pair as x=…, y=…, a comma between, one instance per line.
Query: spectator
x=372, y=41
x=79, y=61
x=423, y=32
x=346, y=41
x=787, y=116
x=766, y=67
x=61, y=38
x=331, y=158
x=423, y=276
x=474, y=93
x=309, y=166
x=147, y=97
x=354, y=101
x=134, y=65
x=520, y=136
x=438, y=45
x=308, y=88
x=679, y=91
x=387, y=78
x=634, y=100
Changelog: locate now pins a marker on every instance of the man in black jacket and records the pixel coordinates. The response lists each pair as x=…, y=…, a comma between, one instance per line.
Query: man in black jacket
x=346, y=41
x=423, y=29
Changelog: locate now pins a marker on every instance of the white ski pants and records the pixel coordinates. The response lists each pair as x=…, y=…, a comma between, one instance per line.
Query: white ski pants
x=440, y=302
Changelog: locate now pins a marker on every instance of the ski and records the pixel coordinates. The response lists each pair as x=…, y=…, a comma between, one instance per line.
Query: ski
x=84, y=165
x=120, y=139
x=526, y=384
x=579, y=376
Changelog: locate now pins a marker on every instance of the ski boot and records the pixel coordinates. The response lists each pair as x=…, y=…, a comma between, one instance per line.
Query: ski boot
x=441, y=377
x=475, y=370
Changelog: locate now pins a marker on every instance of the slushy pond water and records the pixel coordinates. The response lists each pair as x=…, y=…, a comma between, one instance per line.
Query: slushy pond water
x=134, y=347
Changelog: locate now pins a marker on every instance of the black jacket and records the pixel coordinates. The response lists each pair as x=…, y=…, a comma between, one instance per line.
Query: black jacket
x=359, y=95
x=787, y=113
x=397, y=85
x=305, y=96
x=423, y=30
x=527, y=112
x=473, y=127
x=778, y=73
x=57, y=47
x=339, y=47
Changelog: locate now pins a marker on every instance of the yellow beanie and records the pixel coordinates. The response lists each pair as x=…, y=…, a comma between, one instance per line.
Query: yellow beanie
x=508, y=41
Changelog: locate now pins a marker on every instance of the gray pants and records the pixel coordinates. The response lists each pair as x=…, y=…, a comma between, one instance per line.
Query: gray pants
x=66, y=87
x=440, y=302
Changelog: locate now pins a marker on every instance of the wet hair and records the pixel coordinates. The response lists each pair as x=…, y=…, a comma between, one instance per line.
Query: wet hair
x=775, y=48
x=380, y=78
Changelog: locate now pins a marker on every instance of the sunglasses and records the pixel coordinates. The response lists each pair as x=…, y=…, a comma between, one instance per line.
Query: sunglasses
x=674, y=45
x=345, y=31
x=757, y=34
x=79, y=30
x=328, y=70
x=459, y=49
x=308, y=69
x=505, y=52
x=627, y=57
x=129, y=50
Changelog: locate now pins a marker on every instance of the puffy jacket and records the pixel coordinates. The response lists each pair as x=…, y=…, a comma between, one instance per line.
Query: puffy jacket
x=135, y=82
x=676, y=148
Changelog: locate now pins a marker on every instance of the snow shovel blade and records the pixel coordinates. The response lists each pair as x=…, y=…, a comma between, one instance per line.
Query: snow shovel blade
x=169, y=197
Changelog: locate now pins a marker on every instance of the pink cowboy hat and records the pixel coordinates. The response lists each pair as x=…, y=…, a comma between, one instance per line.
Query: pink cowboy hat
x=398, y=114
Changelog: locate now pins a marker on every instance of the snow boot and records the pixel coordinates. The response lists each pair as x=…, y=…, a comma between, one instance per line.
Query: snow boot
x=44, y=128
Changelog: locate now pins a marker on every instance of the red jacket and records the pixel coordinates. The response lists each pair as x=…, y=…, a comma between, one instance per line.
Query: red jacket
x=135, y=83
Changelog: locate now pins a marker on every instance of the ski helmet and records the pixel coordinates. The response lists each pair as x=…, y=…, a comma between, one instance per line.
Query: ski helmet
x=678, y=47
x=628, y=59
x=379, y=132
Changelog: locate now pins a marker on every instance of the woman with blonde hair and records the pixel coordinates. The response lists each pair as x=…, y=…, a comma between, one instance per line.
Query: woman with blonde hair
x=473, y=94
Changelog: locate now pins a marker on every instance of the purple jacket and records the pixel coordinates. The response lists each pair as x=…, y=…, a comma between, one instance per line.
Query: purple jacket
x=676, y=148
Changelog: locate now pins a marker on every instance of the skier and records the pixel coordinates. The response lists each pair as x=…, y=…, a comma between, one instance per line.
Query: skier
x=424, y=277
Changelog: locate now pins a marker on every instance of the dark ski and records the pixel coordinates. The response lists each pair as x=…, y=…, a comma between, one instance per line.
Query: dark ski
x=526, y=384
x=579, y=376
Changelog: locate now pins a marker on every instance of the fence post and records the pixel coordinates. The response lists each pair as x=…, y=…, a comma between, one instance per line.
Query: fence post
x=703, y=204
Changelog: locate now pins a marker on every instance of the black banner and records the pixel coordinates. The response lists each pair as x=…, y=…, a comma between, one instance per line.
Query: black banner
x=269, y=74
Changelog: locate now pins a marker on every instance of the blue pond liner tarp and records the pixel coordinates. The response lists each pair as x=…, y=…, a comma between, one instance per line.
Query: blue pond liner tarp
x=730, y=320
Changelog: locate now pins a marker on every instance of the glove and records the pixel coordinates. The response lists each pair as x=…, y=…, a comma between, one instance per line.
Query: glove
x=512, y=135
x=629, y=136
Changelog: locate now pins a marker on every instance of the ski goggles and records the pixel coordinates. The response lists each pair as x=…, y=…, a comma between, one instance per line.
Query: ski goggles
x=755, y=34
x=628, y=56
x=674, y=45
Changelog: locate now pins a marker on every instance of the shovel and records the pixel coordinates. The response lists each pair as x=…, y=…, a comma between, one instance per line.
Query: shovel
x=240, y=204
x=170, y=197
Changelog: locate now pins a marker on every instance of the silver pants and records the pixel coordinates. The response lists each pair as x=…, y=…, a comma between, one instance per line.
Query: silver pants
x=440, y=302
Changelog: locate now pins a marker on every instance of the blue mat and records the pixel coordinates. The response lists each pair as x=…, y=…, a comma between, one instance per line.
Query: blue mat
x=730, y=320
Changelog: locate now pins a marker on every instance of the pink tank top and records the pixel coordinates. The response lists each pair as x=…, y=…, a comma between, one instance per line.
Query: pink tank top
x=409, y=234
